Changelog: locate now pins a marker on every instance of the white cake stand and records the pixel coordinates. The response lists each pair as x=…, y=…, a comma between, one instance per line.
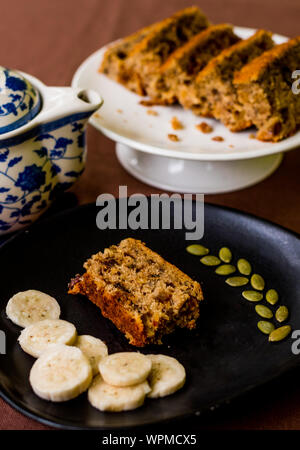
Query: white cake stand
x=192, y=176
x=194, y=164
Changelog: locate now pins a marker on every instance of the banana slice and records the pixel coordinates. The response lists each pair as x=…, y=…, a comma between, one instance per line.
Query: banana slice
x=39, y=336
x=125, y=368
x=60, y=374
x=31, y=306
x=105, y=397
x=166, y=377
x=94, y=349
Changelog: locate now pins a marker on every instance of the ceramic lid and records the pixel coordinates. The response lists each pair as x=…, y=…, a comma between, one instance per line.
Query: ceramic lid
x=19, y=100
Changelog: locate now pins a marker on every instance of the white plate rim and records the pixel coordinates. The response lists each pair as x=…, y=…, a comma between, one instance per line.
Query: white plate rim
x=265, y=149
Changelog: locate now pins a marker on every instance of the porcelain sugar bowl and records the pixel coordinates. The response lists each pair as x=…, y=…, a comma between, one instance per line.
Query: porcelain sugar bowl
x=42, y=144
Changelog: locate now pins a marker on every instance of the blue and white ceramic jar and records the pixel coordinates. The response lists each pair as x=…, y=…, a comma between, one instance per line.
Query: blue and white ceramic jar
x=42, y=144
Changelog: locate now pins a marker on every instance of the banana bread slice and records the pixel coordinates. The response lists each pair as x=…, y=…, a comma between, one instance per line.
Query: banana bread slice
x=182, y=66
x=213, y=93
x=146, y=57
x=264, y=88
x=142, y=294
x=116, y=54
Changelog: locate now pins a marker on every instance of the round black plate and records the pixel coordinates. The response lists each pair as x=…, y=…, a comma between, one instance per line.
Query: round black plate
x=225, y=356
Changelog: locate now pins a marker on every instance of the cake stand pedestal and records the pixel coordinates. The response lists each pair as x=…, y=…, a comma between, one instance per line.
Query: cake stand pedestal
x=194, y=176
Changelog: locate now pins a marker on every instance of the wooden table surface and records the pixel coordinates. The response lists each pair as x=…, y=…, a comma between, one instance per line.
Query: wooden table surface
x=50, y=38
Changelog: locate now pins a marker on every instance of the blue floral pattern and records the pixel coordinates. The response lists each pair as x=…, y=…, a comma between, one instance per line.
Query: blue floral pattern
x=29, y=183
x=21, y=101
x=31, y=178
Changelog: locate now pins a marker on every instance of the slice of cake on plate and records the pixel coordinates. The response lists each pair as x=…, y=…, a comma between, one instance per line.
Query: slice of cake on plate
x=142, y=294
x=264, y=88
x=213, y=93
x=114, y=57
x=183, y=65
x=146, y=53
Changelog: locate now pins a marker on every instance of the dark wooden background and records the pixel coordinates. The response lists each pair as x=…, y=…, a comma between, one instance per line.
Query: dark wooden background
x=50, y=38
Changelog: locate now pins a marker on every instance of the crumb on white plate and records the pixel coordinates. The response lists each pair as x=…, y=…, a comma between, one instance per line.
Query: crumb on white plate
x=204, y=127
x=217, y=138
x=147, y=103
x=173, y=137
x=152, y=112
x=176, y=124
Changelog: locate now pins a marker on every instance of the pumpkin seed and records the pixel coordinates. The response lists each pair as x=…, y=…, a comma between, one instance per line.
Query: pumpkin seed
x=265, y=327
x=244, y=266
x=279, y=333
x=272, y=296
x=282, y=313
x=210, y=260
x=252, y=296
x=197, y=250
x=225, y=254
x=225, y=269
x=264, y=311
x=237, y=281
x=257, y=282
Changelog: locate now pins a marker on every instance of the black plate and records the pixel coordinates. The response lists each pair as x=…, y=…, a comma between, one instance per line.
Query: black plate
x=225, y=356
